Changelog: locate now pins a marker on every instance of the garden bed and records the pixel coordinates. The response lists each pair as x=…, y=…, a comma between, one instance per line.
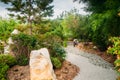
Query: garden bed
x=67, y=72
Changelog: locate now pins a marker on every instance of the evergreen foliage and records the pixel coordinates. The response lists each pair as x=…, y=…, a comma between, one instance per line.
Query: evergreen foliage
x=6, y=27
x=23, y=44
x=30, y=10
x=6, y=61
x=104, y=20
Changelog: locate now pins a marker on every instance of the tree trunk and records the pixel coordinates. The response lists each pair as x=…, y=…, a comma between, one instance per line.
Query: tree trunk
x=29, y=19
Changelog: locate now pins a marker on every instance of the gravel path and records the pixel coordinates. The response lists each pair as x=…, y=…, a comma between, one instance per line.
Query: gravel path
x=92, y=67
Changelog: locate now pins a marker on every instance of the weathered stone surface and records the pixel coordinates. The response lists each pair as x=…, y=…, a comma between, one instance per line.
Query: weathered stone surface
x=41, y=67
x=15, y=31
x=10, y=41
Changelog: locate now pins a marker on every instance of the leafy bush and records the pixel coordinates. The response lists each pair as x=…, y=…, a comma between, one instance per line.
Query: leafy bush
x=100, y=40
x=22, y=46
x=58, y=54
x=52, y=37
x=6, y=27
x=3, y=70
x=115, y=50
x=22, y=60
x=54, y=43
x=56, y=62
x=23, y=43
x=6, y=61
x=26, y=40
x=59, y=51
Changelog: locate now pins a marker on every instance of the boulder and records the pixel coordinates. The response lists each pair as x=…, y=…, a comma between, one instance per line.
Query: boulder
x=10, y=41
x=41, y=67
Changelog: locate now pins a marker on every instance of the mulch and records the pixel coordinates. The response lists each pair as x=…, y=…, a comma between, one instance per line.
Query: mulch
x=67, y=72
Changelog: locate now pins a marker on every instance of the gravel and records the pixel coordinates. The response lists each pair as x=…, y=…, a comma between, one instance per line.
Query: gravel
x=92, y=67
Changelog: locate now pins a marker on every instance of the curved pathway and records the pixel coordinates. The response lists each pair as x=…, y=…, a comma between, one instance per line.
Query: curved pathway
x=92, y=67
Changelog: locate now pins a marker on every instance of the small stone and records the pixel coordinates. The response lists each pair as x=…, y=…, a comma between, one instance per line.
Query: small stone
x=65, y=71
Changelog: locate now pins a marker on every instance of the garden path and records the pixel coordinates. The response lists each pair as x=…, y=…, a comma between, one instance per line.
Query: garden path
x=92, y=67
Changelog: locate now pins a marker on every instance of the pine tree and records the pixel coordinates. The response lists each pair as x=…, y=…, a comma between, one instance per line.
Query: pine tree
x=30, y=11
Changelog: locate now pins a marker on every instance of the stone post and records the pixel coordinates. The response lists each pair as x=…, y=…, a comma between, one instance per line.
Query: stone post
x=41, y=67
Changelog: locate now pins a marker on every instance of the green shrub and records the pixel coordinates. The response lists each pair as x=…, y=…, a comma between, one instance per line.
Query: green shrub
x=6, y=27
x=56, y=62
x=22, y=60
x=114, y=49
x=58, y=55
x=51, y=38
x=54, y=44
x=25, y=40
x=3, y=69
x=6, y=61
x=59, y=51
x=23, y=43
x=100, y=40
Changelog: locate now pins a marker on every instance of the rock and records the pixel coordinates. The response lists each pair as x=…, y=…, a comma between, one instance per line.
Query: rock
x=10, y=41
x=6, y=49
x=15, y=31
x=41, y=67
x=95, y=47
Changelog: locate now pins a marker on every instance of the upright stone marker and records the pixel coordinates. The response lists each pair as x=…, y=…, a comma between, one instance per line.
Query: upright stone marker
x=41, y=67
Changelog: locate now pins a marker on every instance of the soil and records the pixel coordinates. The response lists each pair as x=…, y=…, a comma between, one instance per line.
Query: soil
x=67, y=72
x=19, y=73
x=92, y=49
